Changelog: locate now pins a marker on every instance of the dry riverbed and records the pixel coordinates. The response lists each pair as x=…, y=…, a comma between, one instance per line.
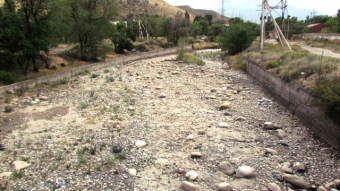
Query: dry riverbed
x=159, y=125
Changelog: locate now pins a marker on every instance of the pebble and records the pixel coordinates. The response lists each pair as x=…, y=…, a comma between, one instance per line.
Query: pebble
x=161, y=161
x=132, y=172
x=321, y=188
x=271, y=151
x=273, y=187
x=223, y=125
x=225, y=105
x=191, y=175
x=131, y=108
x=43, y=98
x=296, y=181
x=191, y=137
x=10, y=91
x=287, y=170
x=162, y=95
x=188, y=186
x=297, y=166
x=196, y=154
x=268, y=125
x=5, y=174
x=245, y=172
x=224, y=187
x=18, y=165
x=140, y=144
x=159, y=87
x=226, y=168
x=281, y=133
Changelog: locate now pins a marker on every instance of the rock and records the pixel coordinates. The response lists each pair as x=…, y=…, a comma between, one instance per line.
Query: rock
x=140, y=144
x=335, y=184
x=161, y=161
x=223, y=125
x=287, y=170
x=225, y=105
x=268, y=125
x=5, y=174
x=283, y=142
x=226, y=168
x=162, y=95
x=234, y=160
x=281, y=133
x=240, y=118
x=245, y=172
x=321, y=188
x=297, y=166
x=132, y=172
x=296, y=181
x=273, y=187
x=196, y=154
x=191, y=175
x=131, y=108
x=18, y=165
x=191, y=137
x=224, y=187
x=188, y=186
x=271, y=151
x=159, y=87
x=43, y=98
x=10, y=91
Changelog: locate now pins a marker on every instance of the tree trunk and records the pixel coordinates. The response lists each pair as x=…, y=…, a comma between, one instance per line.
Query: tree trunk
x=35, y=66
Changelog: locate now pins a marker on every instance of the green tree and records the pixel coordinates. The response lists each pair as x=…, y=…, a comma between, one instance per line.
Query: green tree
x=215, y=31
x=237, y=38
x=209, y=18
x=121, y=38
x=205, y=26
x=333, y=25
x=180, y=27
x=196, y=29
x=187, y=16
x=89, y=23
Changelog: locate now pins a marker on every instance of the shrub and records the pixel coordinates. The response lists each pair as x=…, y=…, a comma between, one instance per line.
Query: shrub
x=237, y=38
x=191, y=59
x=7, y=77
x=327, y=93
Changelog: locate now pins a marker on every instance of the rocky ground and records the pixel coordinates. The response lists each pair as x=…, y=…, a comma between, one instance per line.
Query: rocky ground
x=159, y=125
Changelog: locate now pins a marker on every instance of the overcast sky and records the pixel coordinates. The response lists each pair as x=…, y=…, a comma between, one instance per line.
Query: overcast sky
x=236, y=7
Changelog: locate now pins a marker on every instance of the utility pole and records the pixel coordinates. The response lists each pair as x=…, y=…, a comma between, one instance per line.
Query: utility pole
x=266, y=8
x=222, y=7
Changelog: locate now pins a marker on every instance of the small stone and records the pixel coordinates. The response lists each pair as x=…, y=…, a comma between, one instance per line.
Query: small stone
x=10, y=91
x=132, y=172
x=162, y=95
x=287, y=170
x=234, y=160
x=159, y=87
x=188, y=186
x=271, y=151
x=131, y=108
x=5, y=174
x=223, y=125
x=224, y=187
x=273, y=187
x=225, y=105
x=161, y=161
x=268, y=125
x=226, y=168
x=297, y=166
x=321, y=188
x=281, y=133
x=245, y=172
x=191, y=137
x=18, y=165
x=140, y=144
x=43, y=98
x=283, y=142
x=296, y=181
x=240, y=118
x=196, y=154
x=191, y=175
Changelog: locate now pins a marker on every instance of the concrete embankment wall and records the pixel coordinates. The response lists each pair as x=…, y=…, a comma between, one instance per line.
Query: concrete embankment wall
x=92, y=67
x=298, y=101
x=312, y=36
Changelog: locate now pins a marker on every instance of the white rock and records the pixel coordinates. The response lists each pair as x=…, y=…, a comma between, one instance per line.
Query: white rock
x=162, y=95
x=223, y=125
x=18, y=165
x=273, y=187
x=281, y=133
x=271, y=151
x=5, y=174
x=140, y=144
x=226, y=168
x=196, y=154
x=224, y=187
x=161, y=161
x=225, y=105
x=188, y=186
x=132, y=172
x=191, y=175
x=268, y=125
x=159, y=87
x=131, y=108
x=191, y=137
x=245, y=172
x=43, y=98
x=296, y=181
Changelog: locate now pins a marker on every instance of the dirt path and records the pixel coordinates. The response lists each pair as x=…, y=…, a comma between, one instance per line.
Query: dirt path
x=320, y=51
x=83, y=135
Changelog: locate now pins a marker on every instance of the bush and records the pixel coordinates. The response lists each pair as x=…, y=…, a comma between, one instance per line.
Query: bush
x=237, y=38
x=7, y=77
x=191, y=59
x=327, y=93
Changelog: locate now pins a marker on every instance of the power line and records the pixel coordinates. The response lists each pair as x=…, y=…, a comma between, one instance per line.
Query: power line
x=222, y=7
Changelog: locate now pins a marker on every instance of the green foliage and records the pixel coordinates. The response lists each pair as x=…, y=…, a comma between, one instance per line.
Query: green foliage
x=121, y=38
x=209, y=18
x=274, y=64
x=191, y=59
x=7, y=77
x=196, y=29
x=327, y=93
x=333, y=25
x=237, y=38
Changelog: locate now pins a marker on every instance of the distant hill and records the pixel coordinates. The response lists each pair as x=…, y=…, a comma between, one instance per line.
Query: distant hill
x=202, y=12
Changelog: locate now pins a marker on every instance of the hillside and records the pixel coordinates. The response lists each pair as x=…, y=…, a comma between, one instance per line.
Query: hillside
x=201, y=12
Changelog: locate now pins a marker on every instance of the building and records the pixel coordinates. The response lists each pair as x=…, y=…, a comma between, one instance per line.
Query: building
x=317, y=27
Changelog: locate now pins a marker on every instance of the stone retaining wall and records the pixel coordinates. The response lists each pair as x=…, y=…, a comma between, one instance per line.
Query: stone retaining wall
x=100, y=65
x=298, y=101
x=329, y=36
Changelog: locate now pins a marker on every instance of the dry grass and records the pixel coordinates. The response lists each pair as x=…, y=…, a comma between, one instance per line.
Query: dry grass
x=206, y=45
